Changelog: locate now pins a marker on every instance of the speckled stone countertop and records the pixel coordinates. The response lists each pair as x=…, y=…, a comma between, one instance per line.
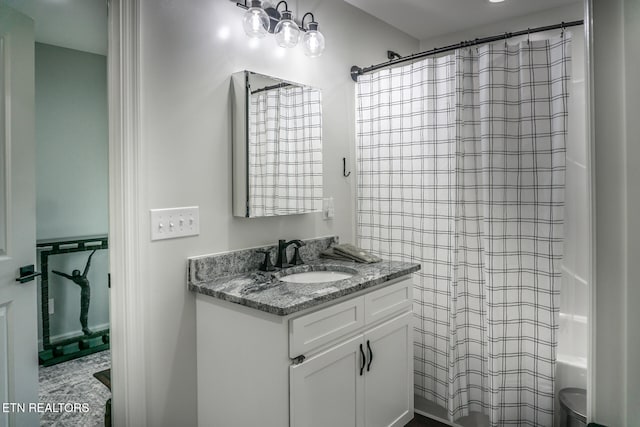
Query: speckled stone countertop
x=264, y=291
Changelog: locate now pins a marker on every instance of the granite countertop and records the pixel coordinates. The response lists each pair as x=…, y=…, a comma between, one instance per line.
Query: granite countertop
x=264, y=291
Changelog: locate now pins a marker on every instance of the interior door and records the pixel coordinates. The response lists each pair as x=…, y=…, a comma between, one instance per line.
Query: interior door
x=389, y=373
x=327, y=389
x=18, y=327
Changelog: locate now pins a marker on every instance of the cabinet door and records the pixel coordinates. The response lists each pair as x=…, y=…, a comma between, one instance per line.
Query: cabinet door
x=327, y=389
x=389, y=373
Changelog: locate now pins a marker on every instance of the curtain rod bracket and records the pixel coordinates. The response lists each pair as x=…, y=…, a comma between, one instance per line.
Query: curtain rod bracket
x=355, y=72
x=391, y=55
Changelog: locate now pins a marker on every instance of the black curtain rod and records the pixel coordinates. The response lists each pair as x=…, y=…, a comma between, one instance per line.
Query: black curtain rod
x=276, y=86
x=357, y=71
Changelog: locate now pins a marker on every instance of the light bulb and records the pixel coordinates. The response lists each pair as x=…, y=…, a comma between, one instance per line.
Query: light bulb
x=287, y=31
x=255, y=20
x=313, y=41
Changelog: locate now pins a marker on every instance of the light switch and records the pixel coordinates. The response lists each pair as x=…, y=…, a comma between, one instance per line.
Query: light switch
x=175, y=222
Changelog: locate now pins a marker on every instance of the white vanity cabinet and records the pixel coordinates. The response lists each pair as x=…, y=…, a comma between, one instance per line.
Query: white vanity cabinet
x=364, y=381
x=347, y=363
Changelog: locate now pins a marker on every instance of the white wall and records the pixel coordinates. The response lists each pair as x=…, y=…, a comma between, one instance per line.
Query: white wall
x=72, y=143
x=616, y=61
x=72, y=176
x=189, y=50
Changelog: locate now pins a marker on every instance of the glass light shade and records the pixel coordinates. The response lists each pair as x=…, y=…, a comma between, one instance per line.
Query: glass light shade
x=255, y=22
x=287, y=31
x=313, y=43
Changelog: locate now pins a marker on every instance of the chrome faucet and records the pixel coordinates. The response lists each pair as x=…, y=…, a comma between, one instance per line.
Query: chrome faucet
x=282, y=253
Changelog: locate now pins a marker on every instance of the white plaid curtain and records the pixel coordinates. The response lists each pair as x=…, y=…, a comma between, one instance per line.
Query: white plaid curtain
x=461, y=163
x=285, y=151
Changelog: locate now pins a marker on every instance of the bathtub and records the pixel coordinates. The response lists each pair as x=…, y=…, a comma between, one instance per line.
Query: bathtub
x=571, y=368
x=572, y=351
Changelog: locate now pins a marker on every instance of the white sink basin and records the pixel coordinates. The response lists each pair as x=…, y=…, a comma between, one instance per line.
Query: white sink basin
x=316, y=277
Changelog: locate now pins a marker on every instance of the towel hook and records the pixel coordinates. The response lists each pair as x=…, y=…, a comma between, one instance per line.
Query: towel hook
x=344, y=168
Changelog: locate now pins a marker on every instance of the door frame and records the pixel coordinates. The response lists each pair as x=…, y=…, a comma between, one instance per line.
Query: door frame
x=126, y=202
x=126, y=209
x=591, y=186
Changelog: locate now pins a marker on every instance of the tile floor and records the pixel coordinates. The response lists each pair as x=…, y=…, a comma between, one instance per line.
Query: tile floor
x=73, y=381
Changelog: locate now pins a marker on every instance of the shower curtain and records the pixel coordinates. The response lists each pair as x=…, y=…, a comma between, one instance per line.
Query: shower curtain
x=461, y=168
x=285, y=151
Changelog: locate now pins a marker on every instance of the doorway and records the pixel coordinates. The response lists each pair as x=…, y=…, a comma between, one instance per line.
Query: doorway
x=71, y=168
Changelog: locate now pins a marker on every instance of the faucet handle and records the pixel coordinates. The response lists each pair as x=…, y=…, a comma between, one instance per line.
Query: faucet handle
x=296, y=260
x=266, y=264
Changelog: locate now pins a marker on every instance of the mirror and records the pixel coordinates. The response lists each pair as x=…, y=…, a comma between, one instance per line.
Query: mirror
x=277, y=146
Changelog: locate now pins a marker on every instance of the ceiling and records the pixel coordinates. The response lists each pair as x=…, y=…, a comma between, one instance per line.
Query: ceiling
x=74, y=24
x=424, y=19
x=82, y=24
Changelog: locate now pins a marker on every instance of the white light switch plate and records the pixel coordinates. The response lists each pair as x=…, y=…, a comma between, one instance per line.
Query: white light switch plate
x=175, y=222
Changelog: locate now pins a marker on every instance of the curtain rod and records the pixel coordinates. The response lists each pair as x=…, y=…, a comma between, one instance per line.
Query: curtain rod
x=357, y=71
x=276, y=86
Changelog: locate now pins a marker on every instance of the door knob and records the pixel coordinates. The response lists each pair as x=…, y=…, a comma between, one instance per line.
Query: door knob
x=27, y=274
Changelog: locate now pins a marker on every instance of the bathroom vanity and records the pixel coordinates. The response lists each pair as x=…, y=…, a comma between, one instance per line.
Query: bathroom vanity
x=276, y=353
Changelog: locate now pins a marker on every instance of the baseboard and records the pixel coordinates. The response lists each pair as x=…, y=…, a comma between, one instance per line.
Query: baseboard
x=67, y=335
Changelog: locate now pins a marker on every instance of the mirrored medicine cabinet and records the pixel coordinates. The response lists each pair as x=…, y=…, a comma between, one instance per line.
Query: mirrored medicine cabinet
x=277, y=146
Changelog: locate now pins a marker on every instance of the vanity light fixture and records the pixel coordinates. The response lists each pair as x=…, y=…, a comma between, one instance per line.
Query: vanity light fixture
x=255, y=20
x=287, y=31
x=313, y=40
x=261, y=17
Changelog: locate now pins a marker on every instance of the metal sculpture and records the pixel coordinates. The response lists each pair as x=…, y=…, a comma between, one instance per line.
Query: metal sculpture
x=85, y=292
